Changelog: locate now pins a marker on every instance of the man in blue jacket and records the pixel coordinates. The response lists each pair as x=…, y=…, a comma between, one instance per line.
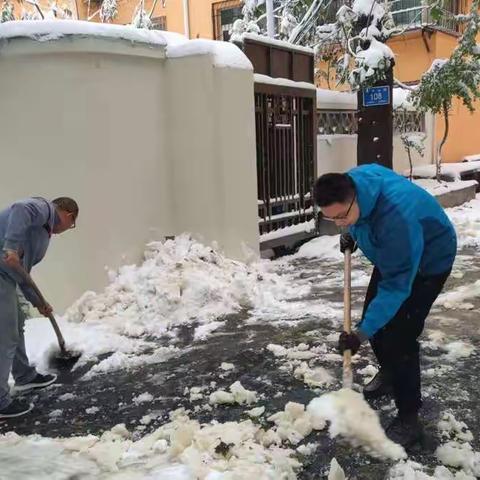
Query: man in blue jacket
x=412, y=244
x=25, y=231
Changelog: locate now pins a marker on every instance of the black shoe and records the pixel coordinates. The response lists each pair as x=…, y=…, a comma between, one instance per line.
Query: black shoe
x=407, y=431
x=16, y=408
x=40, y=381
x=379, y=386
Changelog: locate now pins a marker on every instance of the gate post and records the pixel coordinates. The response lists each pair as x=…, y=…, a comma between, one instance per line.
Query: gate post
x=375, y=123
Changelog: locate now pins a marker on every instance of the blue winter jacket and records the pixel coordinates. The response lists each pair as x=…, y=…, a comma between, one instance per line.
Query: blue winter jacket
x=403, y=231
x=26, y=227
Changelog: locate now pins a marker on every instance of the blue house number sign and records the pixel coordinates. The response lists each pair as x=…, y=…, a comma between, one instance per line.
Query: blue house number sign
x=375, y=96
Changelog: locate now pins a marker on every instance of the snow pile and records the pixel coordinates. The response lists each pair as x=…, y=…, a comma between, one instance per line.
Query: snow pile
x=180, y=281
x=457, y=451
x=293, y=424
x=408, y=470
x=181, y=449
x=351, y=417
x=238, y=394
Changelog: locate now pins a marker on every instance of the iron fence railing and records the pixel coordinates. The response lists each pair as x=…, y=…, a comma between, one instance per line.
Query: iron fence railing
x=344, y=122
x=285, y=159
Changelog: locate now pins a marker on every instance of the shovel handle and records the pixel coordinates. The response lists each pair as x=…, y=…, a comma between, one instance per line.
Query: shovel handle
x=347, y=319
x=29, y=281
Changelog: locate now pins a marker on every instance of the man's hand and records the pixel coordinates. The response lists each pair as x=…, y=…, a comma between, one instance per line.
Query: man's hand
x=347, y=243
x=45, y=310
x=349, y=341
x=11, y=258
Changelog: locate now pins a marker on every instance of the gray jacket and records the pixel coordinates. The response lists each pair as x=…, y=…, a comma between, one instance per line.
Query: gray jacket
x=26, y=227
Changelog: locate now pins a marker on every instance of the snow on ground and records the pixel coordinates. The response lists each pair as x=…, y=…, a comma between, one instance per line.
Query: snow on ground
x=184, y=283
x=180, y=450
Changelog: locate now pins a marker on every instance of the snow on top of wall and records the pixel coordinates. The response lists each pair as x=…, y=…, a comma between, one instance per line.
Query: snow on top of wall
x=225, y=54
x=328, y=99
x=277, y=43
x=401, y=99
x=452, y=170
x=335, y=99
x=285, y=82
x=471, y=158
x=46, y=30
x=439, y=188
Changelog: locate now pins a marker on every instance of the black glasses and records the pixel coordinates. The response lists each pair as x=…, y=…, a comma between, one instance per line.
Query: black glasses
x=342, y=217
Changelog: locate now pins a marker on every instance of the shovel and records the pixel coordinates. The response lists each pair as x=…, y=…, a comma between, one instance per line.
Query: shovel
x=347, y=319
x=64, y=358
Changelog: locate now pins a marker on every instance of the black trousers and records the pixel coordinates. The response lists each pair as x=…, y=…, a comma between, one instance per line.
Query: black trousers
x=396, y=344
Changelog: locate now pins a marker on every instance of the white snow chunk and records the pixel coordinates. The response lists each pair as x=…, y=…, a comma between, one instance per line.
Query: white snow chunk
x=313, y=377
x=142, y=398
x=336, y=471
x=256, y=412
x=227, y=366
x=92, y=410
x=351, y=417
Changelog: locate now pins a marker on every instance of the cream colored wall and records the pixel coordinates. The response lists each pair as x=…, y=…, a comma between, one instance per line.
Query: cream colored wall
x=145, y=152
x=215, y=166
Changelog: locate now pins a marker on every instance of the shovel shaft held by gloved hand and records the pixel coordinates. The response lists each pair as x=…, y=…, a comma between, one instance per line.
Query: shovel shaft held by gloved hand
x=347, y=319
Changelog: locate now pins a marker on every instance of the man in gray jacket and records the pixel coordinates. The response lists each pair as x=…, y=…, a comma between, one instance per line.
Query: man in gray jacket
x=25, y=230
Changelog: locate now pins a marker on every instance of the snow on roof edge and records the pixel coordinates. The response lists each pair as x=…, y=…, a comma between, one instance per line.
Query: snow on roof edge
x=224, y=54
x=277, y=43
x=285, y=82
x=48, y=30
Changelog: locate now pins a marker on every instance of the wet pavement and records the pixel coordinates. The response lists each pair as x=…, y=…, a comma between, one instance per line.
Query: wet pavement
x=98, y=404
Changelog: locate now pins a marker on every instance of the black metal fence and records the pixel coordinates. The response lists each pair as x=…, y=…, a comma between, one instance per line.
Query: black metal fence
x=285, y=156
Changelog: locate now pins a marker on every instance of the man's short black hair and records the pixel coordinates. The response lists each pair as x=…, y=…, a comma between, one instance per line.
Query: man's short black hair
x=67, y=204
x=333, y=188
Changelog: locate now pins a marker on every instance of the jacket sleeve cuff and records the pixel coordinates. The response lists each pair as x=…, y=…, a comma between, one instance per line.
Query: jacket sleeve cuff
x=11, y=245
x=362, y=335
x=30, y=295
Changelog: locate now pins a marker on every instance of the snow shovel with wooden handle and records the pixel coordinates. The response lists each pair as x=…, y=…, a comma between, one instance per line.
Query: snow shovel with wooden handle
x=64, y=358
x=347, y=319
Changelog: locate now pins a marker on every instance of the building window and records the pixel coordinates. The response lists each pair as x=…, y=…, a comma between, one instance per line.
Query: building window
x=224, y=15
x=159, y=23
x=412, y=14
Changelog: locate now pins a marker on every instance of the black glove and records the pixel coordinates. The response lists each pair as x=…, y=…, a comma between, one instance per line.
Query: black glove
x=349, y=341
x=347, y=243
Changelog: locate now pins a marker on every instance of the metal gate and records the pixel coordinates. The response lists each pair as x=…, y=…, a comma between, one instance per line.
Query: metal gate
x=285, y=156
